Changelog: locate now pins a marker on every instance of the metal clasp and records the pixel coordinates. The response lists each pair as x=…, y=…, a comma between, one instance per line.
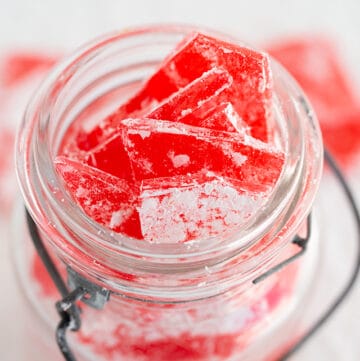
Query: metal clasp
x=95, y=296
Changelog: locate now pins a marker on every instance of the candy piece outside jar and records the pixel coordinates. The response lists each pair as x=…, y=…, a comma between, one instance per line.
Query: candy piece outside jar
x=184, y=301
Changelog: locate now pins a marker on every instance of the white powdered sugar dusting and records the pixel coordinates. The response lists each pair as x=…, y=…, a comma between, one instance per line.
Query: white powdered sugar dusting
x=179, y=160
x=239, y=158
x=81, y=192
x=143, y=133
x=233, y=117
x=185, y=112
x=116, y=219
x=144, y=164
x=199, y=211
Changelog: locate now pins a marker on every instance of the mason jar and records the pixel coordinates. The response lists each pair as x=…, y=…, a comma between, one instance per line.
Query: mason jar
x=207, y=300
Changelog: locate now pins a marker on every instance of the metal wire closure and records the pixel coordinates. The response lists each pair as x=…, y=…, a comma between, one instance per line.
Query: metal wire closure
x=67, y=308
x=95, y=296
x=298, y=241
x=70, y=319
x=356, y=270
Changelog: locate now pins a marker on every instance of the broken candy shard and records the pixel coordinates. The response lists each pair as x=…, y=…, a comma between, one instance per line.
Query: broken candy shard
x=221, y=117
x=164, y=149
x=202, y=92
x=250, y=92
x=315, y=64
x=177, y=70
x=111, y=157
x=342, y=135
x=106, y=199
x=193, y=207
x=17, y=66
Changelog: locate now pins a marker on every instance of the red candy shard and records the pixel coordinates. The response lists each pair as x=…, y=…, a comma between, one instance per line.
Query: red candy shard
x=203, y=91
x=221, y=117
x=342, y=135
x=196, y=183
x=315, y=64
x=164, y=149
x=106, y=199
x=176, y=71
x=20, y=65
x=111, y=157
x=197, y=206
x=180, y=160
x=250, y=92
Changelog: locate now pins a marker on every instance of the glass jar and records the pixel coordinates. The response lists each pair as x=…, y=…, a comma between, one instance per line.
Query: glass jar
x=192, y=301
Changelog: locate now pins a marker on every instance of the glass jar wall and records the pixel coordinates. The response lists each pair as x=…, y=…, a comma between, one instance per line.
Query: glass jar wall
x=178, y=302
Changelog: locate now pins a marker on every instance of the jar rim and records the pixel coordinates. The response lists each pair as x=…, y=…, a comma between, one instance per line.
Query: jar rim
x=34, y=161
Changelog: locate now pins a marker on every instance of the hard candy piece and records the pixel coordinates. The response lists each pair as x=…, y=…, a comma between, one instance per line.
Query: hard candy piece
x=342, y=136
x=20, y=74
x=316, y=65
x=17, y=66
x=195, y=182
x=111, y=157
x=193, y=207
x=203, y=92
x=106, y=199
x=164, y=149
x=221, y=117
x=177, y=70
x=250, y=92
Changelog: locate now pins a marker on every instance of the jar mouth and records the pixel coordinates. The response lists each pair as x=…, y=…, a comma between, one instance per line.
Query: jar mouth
x=56, y=213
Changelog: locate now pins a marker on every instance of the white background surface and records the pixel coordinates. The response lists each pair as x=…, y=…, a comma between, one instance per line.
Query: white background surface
x=66, y=24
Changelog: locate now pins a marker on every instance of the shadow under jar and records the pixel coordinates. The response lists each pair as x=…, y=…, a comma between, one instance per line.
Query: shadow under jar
x=167, y=302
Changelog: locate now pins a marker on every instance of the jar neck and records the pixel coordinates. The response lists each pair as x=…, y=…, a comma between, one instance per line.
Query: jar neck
x=95, y=78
